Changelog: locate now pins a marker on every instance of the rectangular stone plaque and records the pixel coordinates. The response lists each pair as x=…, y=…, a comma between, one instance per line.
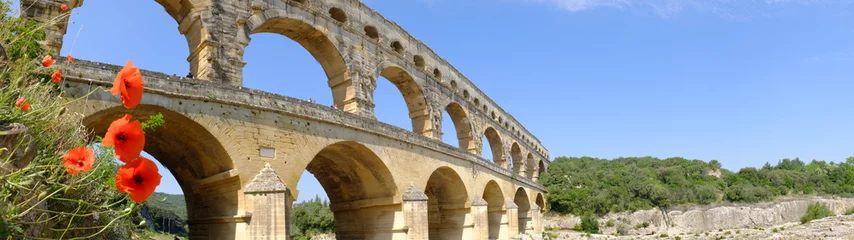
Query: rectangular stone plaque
x=268, y=152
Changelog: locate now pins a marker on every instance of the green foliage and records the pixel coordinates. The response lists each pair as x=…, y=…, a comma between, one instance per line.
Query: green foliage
x=153, y=122
x=816, y=211
x=850, y=211
x=578, y=185
x=311, y=218
x=663, y=235
x=588, y=224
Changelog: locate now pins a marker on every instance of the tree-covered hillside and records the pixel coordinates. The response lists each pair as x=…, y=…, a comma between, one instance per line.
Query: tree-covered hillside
x=582, y=185
x=168, y=213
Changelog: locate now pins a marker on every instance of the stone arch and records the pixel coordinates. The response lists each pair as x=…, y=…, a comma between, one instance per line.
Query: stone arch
x=177, y=9
x=516, y=156
x=416, y=103
x=521, y=200
x=541, y=202
x=495, y=205
x=530, y=165
x=463, y=126
x=360, y=188
x=541, y=168
x=446, y=204
x=497, y=147
x=316, y=41
x=192, y=154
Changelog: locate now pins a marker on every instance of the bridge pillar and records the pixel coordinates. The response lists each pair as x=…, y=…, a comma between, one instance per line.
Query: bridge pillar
x=512, y=219
x=480, y=217
x=415, y=214
x=537, y=220
x=269, y=203
x=48, y=12
x=217, y=39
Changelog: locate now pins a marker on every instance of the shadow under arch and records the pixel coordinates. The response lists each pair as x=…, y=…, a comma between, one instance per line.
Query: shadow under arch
x=521, y=200
x=316, y=42
x=462, y=125
x=495, y=205
x=192, y=154
x=446, y=204
x=416, y=103
x=360, y=188
x=497, y=147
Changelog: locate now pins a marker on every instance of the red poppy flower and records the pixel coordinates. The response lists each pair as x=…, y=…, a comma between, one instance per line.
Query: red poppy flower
x=47, y=61
x=128, y=83
x=70, y=59
x=127, y=137
x=139, y=178
x=56, y=76
x=79, y=159
x=63, y=7
x=22, y=103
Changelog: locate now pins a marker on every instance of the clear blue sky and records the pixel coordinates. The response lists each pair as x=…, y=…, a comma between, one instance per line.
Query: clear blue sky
x=743, y=82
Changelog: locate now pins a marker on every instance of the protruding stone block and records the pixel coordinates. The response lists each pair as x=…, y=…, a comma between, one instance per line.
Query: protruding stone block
x=480, y=217
x=268, y=200
x=513, y=219
x=415, y=213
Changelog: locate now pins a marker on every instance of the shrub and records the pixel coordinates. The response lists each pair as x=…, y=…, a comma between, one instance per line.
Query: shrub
x=622, y=229
x=775, y=230
x=816, y=211
x=588, y=224
x=663, y=235
x=609, y=223
x=850, y=211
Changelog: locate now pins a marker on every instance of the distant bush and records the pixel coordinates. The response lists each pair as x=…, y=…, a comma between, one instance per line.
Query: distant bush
x=588, y=224
x=850, y=211
x=312, y=218
x=816, y=211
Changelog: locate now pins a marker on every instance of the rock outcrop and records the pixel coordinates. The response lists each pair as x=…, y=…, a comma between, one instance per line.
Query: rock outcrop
x=706, y=218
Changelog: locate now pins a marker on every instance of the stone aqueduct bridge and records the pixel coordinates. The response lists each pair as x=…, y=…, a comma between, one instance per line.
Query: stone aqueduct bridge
x=238, y=153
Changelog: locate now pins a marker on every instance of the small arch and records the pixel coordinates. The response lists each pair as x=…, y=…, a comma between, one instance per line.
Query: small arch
x=419, y=62
x=518, y=161
x=446, y=204
x=338, y=14
x=484, y=108
x=506, y=125
x=437, y=74
x=541, y=169
x=497, y=147
x=454, y=85
x=476, y=102
x=372, y=32
x=466, y=94
x=501, y=120
x=492, y=114
x=521, y=201
x=397, y=47
x=495, y=208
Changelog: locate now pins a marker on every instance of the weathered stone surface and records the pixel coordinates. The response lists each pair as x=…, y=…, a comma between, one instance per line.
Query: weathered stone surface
x=265, y=182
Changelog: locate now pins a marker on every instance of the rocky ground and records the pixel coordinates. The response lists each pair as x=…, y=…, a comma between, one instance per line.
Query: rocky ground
x=839, y=227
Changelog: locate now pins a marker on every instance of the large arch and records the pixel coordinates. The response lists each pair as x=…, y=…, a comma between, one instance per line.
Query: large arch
x=494, y=141
x=360, y=188
x=518, y=160
x=462, y=124
x=446, y=204
x=541, y=202
x=317, y=43
x=193, y=155
x=419, y=112
x=496, y=212
x=521, y=200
